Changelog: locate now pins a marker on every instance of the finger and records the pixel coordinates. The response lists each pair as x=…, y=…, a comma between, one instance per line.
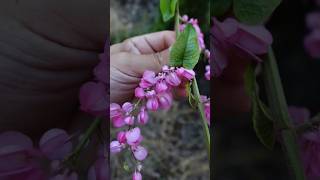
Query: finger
x=150, y=62
x=115, y=48
x=149, y=43
x=136, y=64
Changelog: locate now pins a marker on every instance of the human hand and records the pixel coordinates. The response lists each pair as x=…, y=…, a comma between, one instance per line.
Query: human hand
x=47, y=51
x=129, y=59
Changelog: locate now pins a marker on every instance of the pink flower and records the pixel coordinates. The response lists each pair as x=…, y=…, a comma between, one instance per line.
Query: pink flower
x=140, y=153
x=137, y=176
x=139, y=92
x=116, y=115
x=121, y=137
x=161, y=86
x=143, y=116
x=150, y=94
x=115, y=147
x=165, y=100
x=148, y=79
x=173, y=79
x=129, y=120
x=309, y=143
x=233, y=41
x=312, y=44
x=115, y=110
x=185, y=73
x=133, y=135
x=313, y=20
x=16, y=154
x=55, y=144
x=118, y=121
x=93, y=98
x=127, y=107
x=152, y=104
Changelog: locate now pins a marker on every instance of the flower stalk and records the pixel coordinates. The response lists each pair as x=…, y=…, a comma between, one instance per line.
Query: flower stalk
x=279, y=109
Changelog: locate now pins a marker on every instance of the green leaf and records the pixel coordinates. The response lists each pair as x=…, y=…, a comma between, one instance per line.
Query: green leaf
x=262, y=120
x=254, y=11
x=167, y=8
x=220, y=7
x=185, y=51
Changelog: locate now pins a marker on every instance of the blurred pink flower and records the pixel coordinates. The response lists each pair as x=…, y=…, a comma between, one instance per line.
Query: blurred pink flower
x=234, y=41
x=55, y=144
x=309, y=144
x=137, y=176
x=312, y=43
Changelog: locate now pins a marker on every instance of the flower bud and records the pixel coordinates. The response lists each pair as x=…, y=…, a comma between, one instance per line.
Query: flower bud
x=137, y=176
x=133, y=135
x=115, y=147
x=143, y=116
x=140, y=153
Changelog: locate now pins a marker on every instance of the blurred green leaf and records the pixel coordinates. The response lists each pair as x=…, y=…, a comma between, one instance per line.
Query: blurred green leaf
x=262, y=120
x=220, y=7
x=167, y=8
x=254, y=11
x=185, y=51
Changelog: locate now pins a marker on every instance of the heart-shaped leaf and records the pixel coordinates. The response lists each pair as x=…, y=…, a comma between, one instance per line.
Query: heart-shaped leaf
x=167, y=8
x=254, y=11
x=185, y=51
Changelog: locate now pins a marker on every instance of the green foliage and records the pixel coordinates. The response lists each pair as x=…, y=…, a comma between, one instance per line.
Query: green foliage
x=185, y=51
x=254, y=11
x=167, y=8
x=220, y=7
x=262, y=121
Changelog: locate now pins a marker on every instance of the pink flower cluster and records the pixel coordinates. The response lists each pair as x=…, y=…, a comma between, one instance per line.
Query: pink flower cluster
x=312, y=40
x=20, y=159
x=194, y=22
x=309, y=143
x=93, y=95
x=154, y=93
x=238, y=43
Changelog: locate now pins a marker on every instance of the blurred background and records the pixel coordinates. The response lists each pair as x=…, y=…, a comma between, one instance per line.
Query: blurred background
x=173, y=138
x=238, y=154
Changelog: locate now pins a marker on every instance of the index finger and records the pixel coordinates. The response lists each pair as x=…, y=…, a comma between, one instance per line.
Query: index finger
x=149, y=43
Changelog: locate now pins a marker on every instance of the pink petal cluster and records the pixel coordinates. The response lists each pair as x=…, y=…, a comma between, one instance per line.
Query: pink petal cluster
x=194, y=22
x=309, y=144
x=234, y=41
x=93, y=95
x=312, y=40
x=26, y=160
x=153, y=93
x=156, y=90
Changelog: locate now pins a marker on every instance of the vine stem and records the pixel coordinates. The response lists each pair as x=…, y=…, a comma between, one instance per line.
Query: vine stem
x=177, y=20
x=205, y=127
x=279, y=109
x=75, y=153
x=195, y=89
